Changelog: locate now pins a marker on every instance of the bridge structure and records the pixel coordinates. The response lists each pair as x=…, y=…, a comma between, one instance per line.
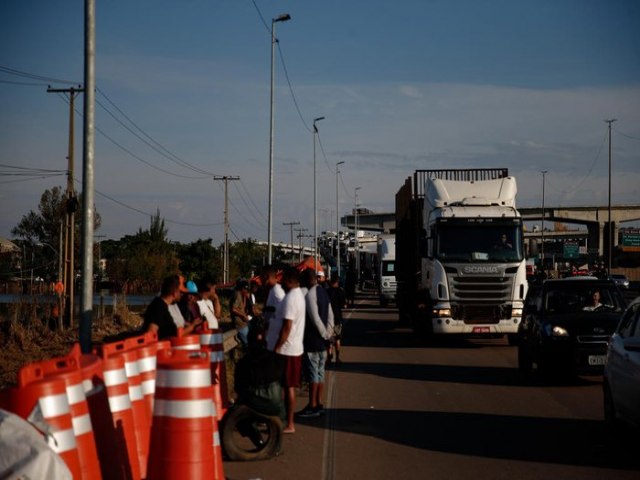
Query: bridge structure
x=595, y=218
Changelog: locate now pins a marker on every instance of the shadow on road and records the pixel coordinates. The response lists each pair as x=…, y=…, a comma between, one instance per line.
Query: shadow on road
x=502, y=376
x=549, y=440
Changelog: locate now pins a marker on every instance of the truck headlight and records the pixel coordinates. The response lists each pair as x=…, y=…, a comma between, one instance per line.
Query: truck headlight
x=555, y=331
x=441, y=312
x=516, y=312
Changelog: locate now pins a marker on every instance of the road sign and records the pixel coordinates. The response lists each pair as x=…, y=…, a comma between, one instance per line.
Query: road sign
x=570, y=250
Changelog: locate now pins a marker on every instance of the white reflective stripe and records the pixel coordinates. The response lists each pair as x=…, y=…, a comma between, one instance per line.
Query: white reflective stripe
x=87, y=386
x=183, y=408
x=119, y=403
x=62, y=441
x=135, y=393
x=217, y=339
x=216, y=439
x=147, y=364
x=115, y=377
x=81, y=425
x=205, y=338
x=132, y=369
x=148, y=387
x=217, y=357
x=75, y=393
x=195, y=346
x=54, y=405
x=184, y=378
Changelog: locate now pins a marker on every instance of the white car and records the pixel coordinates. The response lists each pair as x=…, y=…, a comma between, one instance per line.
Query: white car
x=621, y=382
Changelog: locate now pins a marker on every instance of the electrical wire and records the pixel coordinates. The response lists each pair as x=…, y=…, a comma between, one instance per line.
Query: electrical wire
x=246, y=190
x=326, y=162
x=293, y=95
x=249, y=209
x=33, y=76
x=264, y=22
x=625, y=135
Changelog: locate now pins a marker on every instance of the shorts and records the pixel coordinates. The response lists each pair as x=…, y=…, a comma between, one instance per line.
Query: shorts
x=314, y=363
x=292, y=371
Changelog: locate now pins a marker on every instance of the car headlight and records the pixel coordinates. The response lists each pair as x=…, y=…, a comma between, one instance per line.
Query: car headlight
x=516, y=312
x=555, y=331
x=441, y=312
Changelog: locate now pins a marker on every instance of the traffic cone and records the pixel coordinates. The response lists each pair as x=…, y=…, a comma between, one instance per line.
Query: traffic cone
x=213, y=342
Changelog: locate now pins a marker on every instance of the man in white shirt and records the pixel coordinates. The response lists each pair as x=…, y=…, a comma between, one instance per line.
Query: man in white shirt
x=209, y=303
x=269, y=278
x=285, y=338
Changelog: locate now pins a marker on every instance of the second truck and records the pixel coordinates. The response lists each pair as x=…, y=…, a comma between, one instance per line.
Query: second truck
x=460, y=262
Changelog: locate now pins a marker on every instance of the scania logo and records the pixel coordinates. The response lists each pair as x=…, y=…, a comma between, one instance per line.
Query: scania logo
x=480, y=269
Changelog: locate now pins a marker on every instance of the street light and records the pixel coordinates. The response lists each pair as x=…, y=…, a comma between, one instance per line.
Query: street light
x=544, y=173
x=609, y=226
x=315, y=196
x=357, y=242
x=282, y=18
x=338, y=218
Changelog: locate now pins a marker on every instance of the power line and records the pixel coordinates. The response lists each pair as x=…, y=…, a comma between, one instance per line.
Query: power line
x=293, y=95
x=625, y=135
x=33, y=76
x=264, y=22
x=326, y=162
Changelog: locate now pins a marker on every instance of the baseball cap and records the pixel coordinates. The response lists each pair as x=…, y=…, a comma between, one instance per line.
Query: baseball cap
x=320, y=273
x=191, y=287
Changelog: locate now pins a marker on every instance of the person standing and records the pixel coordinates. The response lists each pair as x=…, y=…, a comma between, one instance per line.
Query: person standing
x=285, y=337
x=338, y=302
x=239, y=312
x=157, y=318
x=275, y=295
x=317, y=332
x=350, y=285
x=209, y=303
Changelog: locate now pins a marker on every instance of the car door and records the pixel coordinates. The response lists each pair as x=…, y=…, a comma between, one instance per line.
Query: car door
x=620, y=372
x=633, y=367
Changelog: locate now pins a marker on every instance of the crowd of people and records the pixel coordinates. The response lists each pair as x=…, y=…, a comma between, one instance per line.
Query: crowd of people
x=292, y=337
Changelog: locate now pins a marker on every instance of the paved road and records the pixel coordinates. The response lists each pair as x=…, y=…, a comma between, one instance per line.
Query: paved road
x=400, y=409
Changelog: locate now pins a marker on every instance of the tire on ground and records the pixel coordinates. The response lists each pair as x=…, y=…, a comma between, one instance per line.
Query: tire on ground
x=235, y=418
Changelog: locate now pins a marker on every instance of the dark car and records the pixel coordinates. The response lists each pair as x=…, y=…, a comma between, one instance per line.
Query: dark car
x=566, y=325
x=620, y=280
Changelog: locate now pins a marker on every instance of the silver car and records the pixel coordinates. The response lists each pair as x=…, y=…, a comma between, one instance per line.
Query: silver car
x=621, y=383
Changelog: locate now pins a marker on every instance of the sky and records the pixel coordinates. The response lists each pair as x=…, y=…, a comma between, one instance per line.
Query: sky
x=405, y=85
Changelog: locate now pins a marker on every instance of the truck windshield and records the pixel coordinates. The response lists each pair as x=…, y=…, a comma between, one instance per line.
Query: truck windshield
x=479, y=243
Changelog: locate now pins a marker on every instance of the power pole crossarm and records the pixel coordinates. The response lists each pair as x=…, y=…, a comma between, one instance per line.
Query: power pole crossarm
x=291, y=224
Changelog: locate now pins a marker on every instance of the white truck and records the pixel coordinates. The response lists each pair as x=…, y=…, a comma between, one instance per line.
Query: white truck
x=386, y=273
x=460, y=264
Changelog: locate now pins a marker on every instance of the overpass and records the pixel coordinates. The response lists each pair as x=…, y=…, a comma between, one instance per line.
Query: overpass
x=593, y=217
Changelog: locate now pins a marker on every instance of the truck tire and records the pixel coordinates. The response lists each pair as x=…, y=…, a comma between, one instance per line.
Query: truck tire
x=248, y=435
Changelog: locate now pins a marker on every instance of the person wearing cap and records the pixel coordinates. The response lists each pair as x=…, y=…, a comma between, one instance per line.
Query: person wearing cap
x=239, y=312
x=321, y=278
x=189, y=307
x=269, y=278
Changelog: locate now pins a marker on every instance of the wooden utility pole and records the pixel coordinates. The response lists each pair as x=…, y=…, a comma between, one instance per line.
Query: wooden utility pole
x=70, y=209
x=225, y=261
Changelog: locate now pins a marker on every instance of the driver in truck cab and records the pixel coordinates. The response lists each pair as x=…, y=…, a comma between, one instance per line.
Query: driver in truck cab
x=503, y=243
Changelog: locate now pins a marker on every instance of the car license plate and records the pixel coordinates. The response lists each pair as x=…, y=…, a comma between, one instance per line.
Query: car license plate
x=481, y=330
x=597, y=360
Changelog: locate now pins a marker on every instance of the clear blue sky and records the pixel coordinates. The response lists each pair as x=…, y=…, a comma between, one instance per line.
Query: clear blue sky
x=403, y=85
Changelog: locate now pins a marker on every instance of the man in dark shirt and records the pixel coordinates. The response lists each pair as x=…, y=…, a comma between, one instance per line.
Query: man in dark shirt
x=338, y=302
x=157, y=317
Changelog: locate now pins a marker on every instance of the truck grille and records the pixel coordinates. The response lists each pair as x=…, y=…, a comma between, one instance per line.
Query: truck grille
x=477, y=299
x=593, y=339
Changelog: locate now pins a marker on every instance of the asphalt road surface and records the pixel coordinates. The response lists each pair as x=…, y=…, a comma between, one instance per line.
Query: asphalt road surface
x=399, y=408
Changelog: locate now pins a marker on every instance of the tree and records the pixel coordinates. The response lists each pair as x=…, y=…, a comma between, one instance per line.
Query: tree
x=200, y=259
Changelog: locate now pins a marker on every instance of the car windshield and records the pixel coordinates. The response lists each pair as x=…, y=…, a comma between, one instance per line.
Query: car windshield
x=479, y=243
x=574, y=298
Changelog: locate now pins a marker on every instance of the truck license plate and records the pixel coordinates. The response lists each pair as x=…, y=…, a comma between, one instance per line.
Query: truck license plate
x=481, y=330
x=595, y=360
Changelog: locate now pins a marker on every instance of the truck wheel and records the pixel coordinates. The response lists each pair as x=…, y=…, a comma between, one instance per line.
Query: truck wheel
x=249, y=435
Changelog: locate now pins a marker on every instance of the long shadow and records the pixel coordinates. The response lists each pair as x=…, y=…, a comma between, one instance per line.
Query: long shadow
x=532, y=439
x=500, y=376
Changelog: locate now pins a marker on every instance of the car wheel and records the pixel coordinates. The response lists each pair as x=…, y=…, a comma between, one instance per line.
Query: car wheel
x=249, y=435
x=525, y=362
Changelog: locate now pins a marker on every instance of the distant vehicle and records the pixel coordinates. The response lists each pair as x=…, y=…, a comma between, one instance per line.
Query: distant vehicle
x=566, y=325
x=620, y=280
x=387, y=285
x=459, y=252
x=621, y=384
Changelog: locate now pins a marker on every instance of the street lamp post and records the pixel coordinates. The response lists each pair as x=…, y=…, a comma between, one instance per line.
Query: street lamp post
x=609, y=228
x=338, y=219
x=281, y=18
x=315, y=196
x=357, y=244
x=544, y=173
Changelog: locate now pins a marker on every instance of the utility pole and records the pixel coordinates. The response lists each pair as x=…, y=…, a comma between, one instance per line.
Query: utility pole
x=544, y=173
x=299, y=237
x=225, y=262
x=71, y=206
x=291, y=224
x=609, y=226
x=338, y=218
